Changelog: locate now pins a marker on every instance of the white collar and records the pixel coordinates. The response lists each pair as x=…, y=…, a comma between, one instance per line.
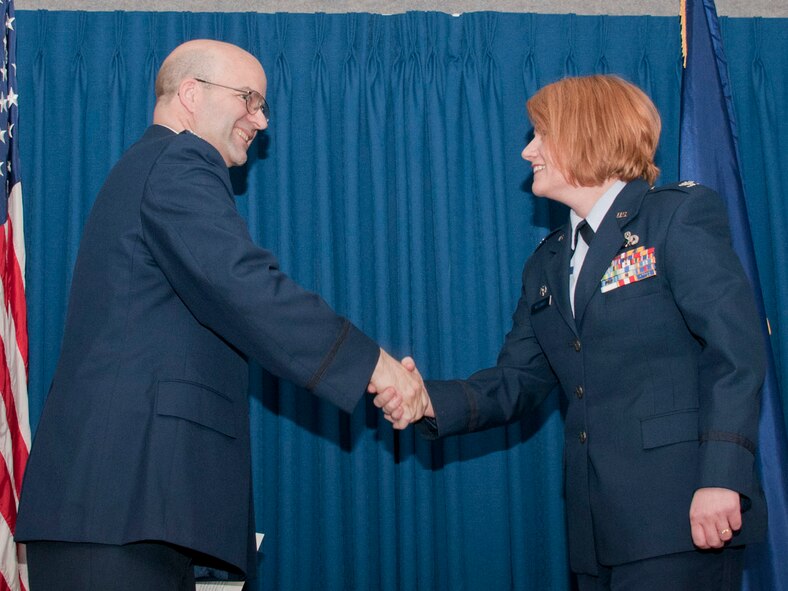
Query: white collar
x=600, y=209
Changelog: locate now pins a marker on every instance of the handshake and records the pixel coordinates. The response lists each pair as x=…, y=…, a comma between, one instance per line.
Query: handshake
x=399, y=391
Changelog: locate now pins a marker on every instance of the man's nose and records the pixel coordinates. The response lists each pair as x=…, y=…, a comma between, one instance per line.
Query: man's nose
x=259, y=121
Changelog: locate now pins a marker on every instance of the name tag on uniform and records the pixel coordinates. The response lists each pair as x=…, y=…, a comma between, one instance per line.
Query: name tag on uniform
x=629, y=267
x=540, y=305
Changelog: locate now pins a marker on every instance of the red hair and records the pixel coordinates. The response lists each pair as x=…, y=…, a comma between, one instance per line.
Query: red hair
x=597, y=127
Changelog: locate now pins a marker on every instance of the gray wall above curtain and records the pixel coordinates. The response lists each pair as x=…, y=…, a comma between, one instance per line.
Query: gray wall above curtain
x=736, y=8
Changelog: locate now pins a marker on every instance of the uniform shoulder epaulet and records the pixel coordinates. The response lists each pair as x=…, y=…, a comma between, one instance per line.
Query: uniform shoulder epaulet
x=549, y=236
x=682, y=186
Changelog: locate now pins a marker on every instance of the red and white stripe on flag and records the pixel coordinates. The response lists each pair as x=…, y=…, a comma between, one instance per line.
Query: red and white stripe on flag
x=14, y=421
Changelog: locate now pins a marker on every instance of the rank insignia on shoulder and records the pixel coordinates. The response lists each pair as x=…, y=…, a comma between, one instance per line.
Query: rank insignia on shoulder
x=687, y=184
x=550, y=236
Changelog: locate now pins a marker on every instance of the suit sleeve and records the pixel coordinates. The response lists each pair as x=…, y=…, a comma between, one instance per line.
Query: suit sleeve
x=520, y=380
x=202, y=245
x=716, y=301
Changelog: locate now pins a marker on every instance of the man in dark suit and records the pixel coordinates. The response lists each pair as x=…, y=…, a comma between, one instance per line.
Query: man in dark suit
x=170, y=297
x=639, y=309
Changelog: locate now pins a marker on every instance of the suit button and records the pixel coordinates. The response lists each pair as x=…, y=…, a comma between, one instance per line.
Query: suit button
x=582, y=437
x=576, y=345
x=579, y=391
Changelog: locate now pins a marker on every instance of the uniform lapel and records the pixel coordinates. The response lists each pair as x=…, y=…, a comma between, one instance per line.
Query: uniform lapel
x=608, y=240
x=557, y=273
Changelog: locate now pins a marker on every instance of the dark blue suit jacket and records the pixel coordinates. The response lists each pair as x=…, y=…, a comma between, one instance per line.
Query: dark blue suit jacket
x=662, y=375
x=145, y=432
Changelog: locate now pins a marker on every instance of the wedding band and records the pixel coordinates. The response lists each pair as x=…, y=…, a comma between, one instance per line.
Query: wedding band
x=725, y=531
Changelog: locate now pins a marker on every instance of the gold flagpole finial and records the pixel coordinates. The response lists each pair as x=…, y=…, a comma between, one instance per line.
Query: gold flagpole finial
x=683, y=18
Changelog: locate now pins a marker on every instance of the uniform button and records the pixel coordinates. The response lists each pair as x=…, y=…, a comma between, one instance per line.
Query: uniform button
x=579, y=391
x=576, y=345
x=582, y=437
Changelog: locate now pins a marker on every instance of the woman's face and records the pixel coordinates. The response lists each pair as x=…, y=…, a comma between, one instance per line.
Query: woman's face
x=549, y=181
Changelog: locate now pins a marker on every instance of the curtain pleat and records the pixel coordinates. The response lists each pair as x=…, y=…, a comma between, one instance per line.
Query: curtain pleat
x=49, y=271
x=375, y=136
x=769, y=101
x=390, y=181
x=79, y=152
x=407, y=115
x=117, y=92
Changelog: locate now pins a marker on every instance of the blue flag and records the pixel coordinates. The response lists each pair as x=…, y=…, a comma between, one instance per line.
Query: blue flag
x=708, y=153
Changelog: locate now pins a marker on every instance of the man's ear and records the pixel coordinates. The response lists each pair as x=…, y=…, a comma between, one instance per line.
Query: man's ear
x=187, y=94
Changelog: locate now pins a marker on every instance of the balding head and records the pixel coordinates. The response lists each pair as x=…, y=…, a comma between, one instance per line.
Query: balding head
x=199, y=58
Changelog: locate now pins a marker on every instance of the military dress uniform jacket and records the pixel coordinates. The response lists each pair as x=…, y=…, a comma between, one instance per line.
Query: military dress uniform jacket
x=662, y=365
x=145, y=432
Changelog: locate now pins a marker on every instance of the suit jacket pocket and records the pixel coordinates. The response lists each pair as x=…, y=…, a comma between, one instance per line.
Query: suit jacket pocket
x=673, y=427
x=637, y=289
x=196, y=403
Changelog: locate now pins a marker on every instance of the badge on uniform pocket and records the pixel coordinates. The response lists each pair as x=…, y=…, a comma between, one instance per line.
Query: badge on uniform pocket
x=542, y=304
x=628, y=267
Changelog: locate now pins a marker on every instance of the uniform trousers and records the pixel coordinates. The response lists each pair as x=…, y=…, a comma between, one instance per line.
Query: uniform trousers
x=718, y=570
x=70, y=566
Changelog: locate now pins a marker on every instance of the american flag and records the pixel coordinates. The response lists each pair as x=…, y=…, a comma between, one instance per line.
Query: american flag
x=14, y=421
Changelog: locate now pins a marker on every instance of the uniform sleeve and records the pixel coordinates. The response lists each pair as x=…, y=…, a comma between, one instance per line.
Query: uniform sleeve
x=520, y=380
x=202, y=245
x=717, y=303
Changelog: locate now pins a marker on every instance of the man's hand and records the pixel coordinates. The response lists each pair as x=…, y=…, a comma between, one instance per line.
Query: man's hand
x=400, y=392
x=715, y=513
x=410, y=365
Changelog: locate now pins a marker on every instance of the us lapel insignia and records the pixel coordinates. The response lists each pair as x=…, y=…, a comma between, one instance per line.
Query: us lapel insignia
x=631, y=239
x=621, y=215
x=543, y=291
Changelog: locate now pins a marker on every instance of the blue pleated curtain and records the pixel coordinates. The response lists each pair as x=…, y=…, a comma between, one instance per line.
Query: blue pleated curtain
x=390, y=181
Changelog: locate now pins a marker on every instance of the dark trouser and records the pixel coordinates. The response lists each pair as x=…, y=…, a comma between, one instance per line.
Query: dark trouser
x=720, y=570
x=69, y=566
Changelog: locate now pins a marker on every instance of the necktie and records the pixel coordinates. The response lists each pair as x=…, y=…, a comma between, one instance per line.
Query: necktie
x=586, y=231
x=576, y=263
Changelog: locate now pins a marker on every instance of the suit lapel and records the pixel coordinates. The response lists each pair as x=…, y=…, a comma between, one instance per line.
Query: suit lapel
x=557, y=274
x=608, y=240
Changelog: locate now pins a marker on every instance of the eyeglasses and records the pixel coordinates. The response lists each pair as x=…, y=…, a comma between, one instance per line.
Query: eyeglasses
x=254, y=100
